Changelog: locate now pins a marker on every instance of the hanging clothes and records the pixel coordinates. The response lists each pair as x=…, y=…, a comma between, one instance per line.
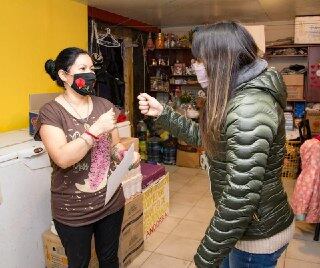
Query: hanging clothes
x=106, y=53
x=306, y=196
x=110, y=83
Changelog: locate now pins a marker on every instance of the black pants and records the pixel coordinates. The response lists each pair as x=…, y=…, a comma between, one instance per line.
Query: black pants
x=77, y=241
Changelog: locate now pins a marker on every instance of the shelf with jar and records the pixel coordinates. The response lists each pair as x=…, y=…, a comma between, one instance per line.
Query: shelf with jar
x=172, y=80
x=169, y=41
x=166, y=71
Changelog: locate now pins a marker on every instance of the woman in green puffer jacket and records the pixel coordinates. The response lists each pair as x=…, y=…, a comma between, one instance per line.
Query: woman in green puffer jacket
x=242, y=128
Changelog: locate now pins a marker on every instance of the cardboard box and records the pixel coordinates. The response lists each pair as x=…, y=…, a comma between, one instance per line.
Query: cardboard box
x=295, y=92
x=293, y=79
x=295, y=86
x=128, y=141
x=314, y=121
x=188, y=159
x=307, y=30
x=36, y=101
x=132, y=186
x=131, y=239
x=124, y=129
x=55, y=255
x=155, y=205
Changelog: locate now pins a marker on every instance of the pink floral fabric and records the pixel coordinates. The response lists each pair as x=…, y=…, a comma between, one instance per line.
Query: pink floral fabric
x=306, y=196
x=100, y=162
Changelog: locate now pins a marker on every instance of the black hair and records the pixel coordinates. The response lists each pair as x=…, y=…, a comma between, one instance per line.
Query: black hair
x=64, y=61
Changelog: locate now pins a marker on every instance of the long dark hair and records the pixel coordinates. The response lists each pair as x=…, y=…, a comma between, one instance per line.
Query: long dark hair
x=65, y=59
x=225, y=48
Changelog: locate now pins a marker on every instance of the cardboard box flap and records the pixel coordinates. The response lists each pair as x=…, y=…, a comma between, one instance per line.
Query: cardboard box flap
x=36, y=101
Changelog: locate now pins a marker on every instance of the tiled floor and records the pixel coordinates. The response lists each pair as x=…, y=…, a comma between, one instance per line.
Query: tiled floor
x=191, y=208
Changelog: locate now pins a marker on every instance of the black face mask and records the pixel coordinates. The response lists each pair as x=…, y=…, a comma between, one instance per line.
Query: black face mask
x=83, y=83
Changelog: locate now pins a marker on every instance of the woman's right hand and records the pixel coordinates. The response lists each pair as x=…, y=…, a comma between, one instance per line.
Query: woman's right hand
x=149, y=105
x=105, y=123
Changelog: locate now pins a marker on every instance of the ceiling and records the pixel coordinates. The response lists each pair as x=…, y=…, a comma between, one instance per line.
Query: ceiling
x=168, y=13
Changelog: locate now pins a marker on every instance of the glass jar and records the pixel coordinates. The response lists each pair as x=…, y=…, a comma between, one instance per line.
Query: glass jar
x=150, y=44
x=160, y=41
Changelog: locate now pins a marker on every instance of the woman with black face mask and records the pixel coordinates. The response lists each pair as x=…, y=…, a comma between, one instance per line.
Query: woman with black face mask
x=78, y=131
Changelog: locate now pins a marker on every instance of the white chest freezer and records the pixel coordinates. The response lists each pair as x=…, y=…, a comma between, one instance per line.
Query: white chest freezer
x=25, y=211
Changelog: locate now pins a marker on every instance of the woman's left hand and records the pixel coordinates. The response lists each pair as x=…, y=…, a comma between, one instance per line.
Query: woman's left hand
x=136, y=161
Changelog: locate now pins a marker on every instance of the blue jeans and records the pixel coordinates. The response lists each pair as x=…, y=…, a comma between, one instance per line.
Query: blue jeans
x=242, y=259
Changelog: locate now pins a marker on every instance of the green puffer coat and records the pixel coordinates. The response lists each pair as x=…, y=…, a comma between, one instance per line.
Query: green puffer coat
x=246, y=175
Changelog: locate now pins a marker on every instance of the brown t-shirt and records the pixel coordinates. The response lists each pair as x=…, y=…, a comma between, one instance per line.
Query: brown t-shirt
x=78, y=192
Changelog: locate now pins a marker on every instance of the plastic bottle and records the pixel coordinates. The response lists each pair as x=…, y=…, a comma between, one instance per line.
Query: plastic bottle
x=142, y=133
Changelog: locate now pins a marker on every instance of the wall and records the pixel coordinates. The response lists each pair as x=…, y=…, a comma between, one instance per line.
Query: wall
x=31, y=32
x=273, y=30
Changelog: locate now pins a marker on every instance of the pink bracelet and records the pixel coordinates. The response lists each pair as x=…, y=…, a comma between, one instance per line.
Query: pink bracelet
x=91, y=135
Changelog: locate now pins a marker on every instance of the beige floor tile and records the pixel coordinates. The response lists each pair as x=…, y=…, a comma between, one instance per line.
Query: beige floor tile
x=154, y=241
x=168, y=225
x=176, y=186
x=193, y=188
x=208, y=193
x=292, y=263
x=178, y=247
x=170, y=168
x=304, y=231
x=200, y=214
x=171, y=194
x=200, y=178
x=178, y=211
x=205, y=202
x=185, y=199
x=162, y=261
x=190, y=229
x=188, y=171
x=203, y=172
x=180, y=178
x=192, y=265
x=304, y=250
x=140, y=259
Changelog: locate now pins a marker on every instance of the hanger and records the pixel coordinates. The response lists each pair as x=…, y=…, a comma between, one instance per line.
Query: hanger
x=101, y=37
x=108, y=40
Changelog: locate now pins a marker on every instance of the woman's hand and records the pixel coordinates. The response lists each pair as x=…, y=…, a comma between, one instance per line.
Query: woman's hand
x=149, y=105
x=118, y=153
x=136, y=161
x=105, y=124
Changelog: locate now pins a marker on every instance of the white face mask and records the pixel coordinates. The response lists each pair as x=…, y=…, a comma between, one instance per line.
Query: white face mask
x=201, y=73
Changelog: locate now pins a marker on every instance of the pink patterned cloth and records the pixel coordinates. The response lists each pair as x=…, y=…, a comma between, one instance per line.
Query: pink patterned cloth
x=100, y=161
x=306, y=196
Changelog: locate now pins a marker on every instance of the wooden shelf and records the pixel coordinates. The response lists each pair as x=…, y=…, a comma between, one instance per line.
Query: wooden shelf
x=177, y=48
x=296, y=100
x=159, y=91
x=285, y=56
x=186, y=85
x=288, y=46
x=160, y=66
x=184, y=76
